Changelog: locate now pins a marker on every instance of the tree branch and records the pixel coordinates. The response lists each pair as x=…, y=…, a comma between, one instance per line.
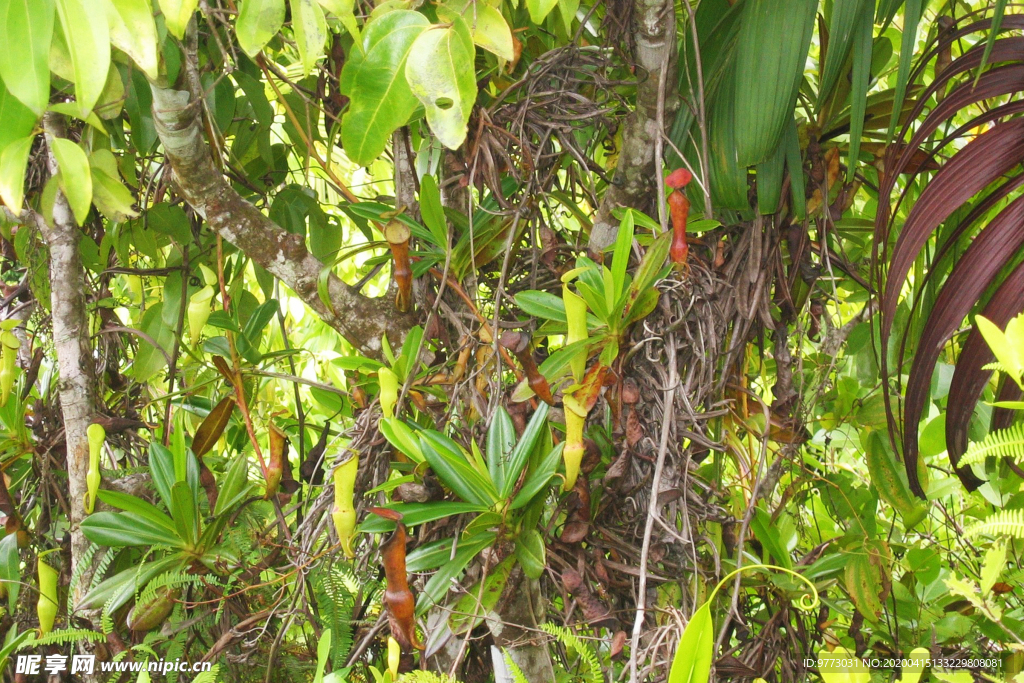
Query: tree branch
x=359, y=319
x=655, y=35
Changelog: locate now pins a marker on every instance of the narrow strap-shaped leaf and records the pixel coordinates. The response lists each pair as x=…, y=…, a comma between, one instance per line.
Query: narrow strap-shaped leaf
x=501, y=436
x=795, y=164
x=862, y=48
x=692, y=661
x=997, y=19
x=452, y=468
x=521, y=453
x=911, y=18
x=847, y=19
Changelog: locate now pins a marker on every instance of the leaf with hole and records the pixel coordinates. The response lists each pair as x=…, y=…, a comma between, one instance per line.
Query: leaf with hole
x=441, y=75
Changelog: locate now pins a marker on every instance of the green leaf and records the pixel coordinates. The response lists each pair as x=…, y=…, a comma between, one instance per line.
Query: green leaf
x=997, y=20
x=117, y=590
x=161, y=468
x=540, y=9
x=402, y=438
x=432, y=211
x=13, y=162
x=770, y=53
x=16, y=120
x=150, y=359
x=27, y=28
x=692, y=661
x=374, y=80
x=138, y=506
x=109, y=194
x=441, y=74
x=119, y=529
x=794, y=162
x=258, y=21
x=133, y=31
x=438, y=584
x=177, y=14
x=847, y=17
x=344, y=10
x=488, y=28
x=538, y=478
x=452, y=468
x=88, y=40
x=501, y=436
x=184, y=512
x=1008, y=356
x=414, y=514
x=10, y=568
x=479, y=601
x=310, y=28
x=75, y=176
x=169, y=219
x=234, y=487
x=520, y=455
x=531, y=553
x=620, y=257
x=911, y=18
x=542, y=304
x=992, y=567
x=761, y=525
x=861, y=78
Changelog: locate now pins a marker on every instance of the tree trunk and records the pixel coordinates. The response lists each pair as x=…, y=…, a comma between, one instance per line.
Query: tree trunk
x=634, y=180
x=75, y=362
x=522, y=612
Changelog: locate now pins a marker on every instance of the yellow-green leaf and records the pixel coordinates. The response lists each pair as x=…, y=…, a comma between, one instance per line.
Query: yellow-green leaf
x=344, y=10
x=540, y=9
x=27, y=28
x=441, y=75
x=692, y=661
x=258, y=22
x=177, y=14
x=75, y=176
x=16, y=120
x=842, y=666
x=489, y=29
x=310, y=28
x=13, y=161
x=111, y=197
x=133, y=31
x=88, y=41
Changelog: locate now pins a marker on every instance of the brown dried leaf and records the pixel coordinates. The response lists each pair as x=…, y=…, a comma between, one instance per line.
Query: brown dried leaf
x=213, y=426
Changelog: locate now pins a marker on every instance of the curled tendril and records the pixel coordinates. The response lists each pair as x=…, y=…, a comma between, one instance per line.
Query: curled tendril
x=807, y=602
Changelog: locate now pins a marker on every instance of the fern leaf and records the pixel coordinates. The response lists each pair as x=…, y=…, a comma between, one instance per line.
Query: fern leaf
x=517, y=674
x=64, y=636
x=1008, y=522
x=591, y=665
x=1001, y=443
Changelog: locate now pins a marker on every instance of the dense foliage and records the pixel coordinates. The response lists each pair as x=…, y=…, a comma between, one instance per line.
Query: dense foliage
x=487, y=340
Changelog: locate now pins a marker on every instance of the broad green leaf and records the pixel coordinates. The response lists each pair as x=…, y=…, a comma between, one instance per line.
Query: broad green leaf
x=441, y=74
x=119, y=529
x=114, y=592
x=531, y=553
x=235, y=485
x=258, y=21
x=488, y=28
x=184, y=512
x=374, y=80
x=138, y=506
x=770, y=54
x=88, y=40
x=27, y=28
x=150, y=359
x=432, y=211
x=501, y=436
x=16, y=120
x=133, y=31
x=479, y=601
x=402, y=438
x=177, y=14
x=452, y=468
x=540, y=9
x=541, y=305
x=520, y=454
x=13, y=161
x=439, y=583
x=761, y=525
x=310, y=28
x=414, y=514
x=75, y=176
x=692, y=661
x=344, y=10
x=1005, y=353
x=568, y=9
x=10, y=568
x=538, y=479
x=109, y=194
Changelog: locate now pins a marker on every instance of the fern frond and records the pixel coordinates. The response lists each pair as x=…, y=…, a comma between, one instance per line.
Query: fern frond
x=64, y=636
x=517, y=674
x=1008, y=443
x=86, y=561
x=173, y=580
x=1009, y=522
x=586, y=653
x=336, y=603
x=210, y=676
